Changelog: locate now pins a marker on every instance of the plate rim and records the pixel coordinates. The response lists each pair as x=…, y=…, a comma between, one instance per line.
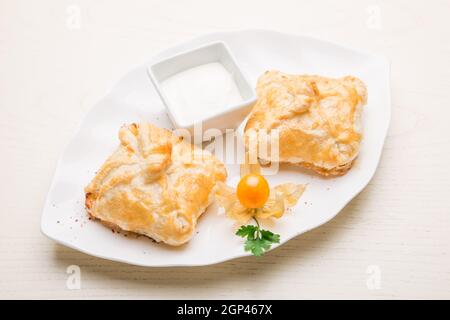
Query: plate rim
x=46, y=231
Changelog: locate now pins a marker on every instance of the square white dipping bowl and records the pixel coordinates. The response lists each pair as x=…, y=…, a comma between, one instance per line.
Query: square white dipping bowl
x=218, y=51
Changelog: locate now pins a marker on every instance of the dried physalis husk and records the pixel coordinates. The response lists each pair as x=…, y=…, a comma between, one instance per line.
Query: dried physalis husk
x=225, y=195
x=290, y=192
x=274, y=207
x=281, y=197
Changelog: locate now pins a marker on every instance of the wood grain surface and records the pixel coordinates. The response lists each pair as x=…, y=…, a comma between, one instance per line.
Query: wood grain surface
x=57, y=58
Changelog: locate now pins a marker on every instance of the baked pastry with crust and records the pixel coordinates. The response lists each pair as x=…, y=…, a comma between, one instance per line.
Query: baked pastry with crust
x=318, y=120
x=154, y=184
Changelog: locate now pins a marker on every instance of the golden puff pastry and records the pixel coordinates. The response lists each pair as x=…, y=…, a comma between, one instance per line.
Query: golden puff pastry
x=154, y=184
x=318, y=120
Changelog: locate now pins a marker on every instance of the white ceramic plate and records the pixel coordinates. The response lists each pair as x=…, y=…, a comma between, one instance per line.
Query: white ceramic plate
x=134, y=99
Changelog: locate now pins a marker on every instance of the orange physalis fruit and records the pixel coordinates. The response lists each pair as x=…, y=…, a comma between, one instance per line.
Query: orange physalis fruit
x=253, y=191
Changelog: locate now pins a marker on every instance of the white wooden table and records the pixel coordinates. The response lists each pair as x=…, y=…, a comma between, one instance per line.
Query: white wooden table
x=57, y=58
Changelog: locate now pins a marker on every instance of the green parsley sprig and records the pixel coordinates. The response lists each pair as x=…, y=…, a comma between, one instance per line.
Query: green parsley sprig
x=258, y=240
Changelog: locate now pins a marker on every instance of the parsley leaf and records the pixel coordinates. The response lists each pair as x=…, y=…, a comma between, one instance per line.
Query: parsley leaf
x=247, y=231
x=257, y=246
x=258, y=241
x=270, y=236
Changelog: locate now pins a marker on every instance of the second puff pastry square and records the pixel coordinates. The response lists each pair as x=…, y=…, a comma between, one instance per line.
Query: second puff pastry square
x=318, y=119
x=154, y=184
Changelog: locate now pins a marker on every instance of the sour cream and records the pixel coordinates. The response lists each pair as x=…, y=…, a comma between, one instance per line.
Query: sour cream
x=201, y=92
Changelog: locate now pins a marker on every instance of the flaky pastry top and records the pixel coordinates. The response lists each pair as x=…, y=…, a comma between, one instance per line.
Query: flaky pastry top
x=154, y=184
x=318, y=119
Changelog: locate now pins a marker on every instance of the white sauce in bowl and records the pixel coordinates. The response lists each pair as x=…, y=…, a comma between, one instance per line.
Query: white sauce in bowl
x=201, y=92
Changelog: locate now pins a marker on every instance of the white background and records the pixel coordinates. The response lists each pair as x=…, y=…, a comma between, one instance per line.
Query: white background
x=57, y=58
